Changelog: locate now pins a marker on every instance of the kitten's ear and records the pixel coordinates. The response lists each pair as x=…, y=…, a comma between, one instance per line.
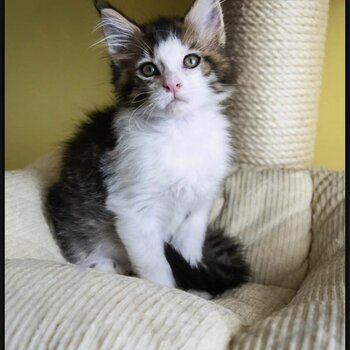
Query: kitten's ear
x=118, y=30
x=205, y=19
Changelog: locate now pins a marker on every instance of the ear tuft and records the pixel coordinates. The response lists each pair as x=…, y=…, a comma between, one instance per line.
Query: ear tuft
x=206, y=20
x=118, y=30
x=100, y=5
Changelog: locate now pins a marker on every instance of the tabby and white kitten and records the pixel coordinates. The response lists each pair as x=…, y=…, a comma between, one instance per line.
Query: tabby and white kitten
x=138, y=180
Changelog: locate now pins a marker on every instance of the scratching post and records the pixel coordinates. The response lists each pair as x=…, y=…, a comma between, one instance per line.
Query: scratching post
x=277, y=48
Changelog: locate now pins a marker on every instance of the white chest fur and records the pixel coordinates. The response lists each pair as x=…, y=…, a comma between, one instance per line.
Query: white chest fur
x=161, y=180
x=168, y=164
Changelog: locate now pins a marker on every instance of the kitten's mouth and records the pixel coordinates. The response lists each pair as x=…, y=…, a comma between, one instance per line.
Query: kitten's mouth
x=176, y=100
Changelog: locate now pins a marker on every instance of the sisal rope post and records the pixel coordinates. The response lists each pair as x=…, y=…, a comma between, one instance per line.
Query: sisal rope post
x=277, y=49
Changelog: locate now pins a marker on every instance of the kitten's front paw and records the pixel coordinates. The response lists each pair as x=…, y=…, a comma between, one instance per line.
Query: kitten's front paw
x=194, y=261
x=192, y=257
x=164, y=279
x=201, y=294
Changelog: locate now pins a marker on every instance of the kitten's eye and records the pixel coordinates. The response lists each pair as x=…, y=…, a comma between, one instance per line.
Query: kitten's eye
x=191, y=61
x=149, y=69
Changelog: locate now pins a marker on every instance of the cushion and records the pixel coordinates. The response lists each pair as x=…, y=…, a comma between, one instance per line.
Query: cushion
x=291, y=221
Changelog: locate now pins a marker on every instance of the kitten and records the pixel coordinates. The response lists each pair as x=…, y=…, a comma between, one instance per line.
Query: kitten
x=138, y=180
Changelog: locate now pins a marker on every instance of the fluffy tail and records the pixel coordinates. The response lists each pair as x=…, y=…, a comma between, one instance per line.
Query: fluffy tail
x=222, y=267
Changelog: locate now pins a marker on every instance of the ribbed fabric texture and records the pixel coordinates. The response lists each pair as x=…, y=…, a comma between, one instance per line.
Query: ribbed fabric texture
x=270, y=211
x=292, y=223
x=26, y=230
x=328, y=208
x=315, y=317
x=53, y=306
x=277, y=49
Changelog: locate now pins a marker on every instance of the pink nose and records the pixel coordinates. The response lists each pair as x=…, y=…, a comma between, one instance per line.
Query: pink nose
x=172, y=86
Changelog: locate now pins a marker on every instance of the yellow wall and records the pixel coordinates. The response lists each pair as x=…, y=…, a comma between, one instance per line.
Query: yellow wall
x=52, y=75
x=330, y=141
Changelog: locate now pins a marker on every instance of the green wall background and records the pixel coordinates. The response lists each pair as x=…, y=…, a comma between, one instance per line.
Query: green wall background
x=53, y=75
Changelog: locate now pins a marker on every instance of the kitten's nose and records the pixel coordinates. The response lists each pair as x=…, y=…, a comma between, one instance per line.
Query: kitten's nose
x=172, y=86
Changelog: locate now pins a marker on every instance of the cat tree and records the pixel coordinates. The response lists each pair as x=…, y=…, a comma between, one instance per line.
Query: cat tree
x=290, y=217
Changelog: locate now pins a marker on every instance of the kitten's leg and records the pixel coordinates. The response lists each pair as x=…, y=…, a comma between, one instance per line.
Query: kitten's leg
x=201, y=294
x=106, y=265
x=189, y=238
x=107, y=256
x=144, y=243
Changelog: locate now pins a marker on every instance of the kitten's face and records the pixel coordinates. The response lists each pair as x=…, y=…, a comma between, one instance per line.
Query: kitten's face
x=169, y=65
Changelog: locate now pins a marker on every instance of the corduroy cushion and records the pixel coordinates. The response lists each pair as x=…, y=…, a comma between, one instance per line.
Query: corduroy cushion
x=292, y=223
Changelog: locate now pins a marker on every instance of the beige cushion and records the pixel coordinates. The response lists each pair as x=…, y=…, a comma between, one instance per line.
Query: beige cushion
x=292, y=223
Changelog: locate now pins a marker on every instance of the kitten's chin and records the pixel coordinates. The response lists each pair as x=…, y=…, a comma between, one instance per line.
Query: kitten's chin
x=177, y=107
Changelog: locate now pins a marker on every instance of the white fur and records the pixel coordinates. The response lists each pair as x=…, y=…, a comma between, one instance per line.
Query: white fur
x=201, y=294
x=107, y=257
x=171, y=157
x=166, y=171
x=168, y=168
